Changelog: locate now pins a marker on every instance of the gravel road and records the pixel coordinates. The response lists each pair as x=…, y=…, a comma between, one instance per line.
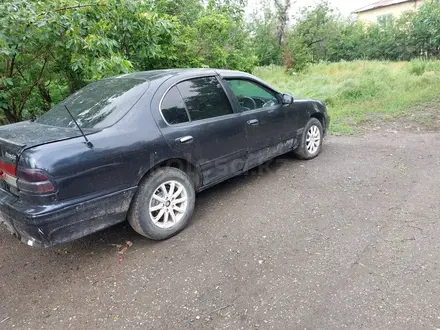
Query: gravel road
x=347, y=240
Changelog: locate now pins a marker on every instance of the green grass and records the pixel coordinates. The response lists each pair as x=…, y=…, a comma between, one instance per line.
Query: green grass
x=358, y=91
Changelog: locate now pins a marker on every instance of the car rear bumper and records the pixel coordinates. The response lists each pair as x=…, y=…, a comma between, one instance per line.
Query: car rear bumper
x=46, y=226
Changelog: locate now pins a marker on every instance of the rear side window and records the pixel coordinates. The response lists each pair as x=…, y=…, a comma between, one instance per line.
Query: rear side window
x=204, y=98
x=173, y=108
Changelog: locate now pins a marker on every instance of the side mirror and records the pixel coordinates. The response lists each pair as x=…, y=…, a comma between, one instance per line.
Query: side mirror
x=287, y=99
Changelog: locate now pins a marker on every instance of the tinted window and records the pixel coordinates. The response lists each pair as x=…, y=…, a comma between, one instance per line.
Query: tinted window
x=173, y=108
x=98, y=105
x=204, y=98
x=251, y=95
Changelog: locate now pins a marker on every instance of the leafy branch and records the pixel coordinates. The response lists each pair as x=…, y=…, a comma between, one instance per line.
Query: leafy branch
x=73, y=7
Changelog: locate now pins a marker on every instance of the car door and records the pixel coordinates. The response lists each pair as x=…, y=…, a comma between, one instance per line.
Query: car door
x=269, y=125
x=201, y=123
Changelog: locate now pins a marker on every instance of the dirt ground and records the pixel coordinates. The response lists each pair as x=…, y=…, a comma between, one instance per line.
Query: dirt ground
x=347, y=240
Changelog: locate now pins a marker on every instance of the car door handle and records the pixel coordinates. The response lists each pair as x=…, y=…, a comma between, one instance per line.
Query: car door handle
x=185, y=139
x=253, y=122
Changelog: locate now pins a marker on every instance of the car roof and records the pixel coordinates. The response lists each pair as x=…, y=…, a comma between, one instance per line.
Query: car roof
x=233, y=73
x=168, y=73
x=164, y=74
x=159, y=76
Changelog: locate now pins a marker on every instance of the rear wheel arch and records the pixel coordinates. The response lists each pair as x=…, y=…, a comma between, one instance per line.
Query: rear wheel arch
x=182, y=164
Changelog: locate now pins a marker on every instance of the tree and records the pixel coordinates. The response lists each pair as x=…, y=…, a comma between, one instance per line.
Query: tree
x=221, y=37
x=282, y=14
x=426, y=28
x=45, y=44
x=316, y=28
x=41, y=41
x=264, y=30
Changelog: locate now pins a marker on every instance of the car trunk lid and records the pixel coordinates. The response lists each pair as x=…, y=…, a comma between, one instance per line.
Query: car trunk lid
x=28, y=134
x=17, y=137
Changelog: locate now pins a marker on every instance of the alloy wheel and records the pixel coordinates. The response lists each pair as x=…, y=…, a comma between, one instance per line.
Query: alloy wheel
x=168, y=204
x=313, y=139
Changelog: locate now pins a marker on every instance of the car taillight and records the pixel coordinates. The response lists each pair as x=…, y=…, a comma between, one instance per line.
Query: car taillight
x=7, y=173
x=7, y=168
x=34, y=181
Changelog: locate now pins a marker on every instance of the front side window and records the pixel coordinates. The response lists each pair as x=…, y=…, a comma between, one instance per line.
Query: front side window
x=251, y=95
x=204, y=98
x=173, y=108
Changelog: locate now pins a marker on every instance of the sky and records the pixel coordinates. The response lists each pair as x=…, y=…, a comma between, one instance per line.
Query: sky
x=344, y=6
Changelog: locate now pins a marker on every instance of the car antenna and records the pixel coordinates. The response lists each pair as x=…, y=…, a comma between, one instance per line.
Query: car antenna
x=88, y=143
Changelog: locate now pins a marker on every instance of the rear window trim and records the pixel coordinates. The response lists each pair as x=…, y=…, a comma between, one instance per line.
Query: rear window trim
x=188, y=123
x=184, y=104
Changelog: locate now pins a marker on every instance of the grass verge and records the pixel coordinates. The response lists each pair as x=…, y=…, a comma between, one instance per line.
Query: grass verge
x=357, y=91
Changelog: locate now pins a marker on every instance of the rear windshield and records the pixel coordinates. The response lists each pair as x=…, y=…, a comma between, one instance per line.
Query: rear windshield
x=98, y=105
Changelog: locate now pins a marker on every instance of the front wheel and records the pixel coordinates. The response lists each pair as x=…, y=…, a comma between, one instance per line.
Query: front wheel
x=163, y=204
x=311, y=140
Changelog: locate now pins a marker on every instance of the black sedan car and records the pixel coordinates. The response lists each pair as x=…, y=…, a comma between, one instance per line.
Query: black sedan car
x=140, y=146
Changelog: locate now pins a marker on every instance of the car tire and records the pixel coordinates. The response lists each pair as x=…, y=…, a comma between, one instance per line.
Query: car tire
x=311, y=140
x=157, y=212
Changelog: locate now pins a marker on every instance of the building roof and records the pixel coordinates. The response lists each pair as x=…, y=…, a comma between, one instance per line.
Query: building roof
x=379, y=4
